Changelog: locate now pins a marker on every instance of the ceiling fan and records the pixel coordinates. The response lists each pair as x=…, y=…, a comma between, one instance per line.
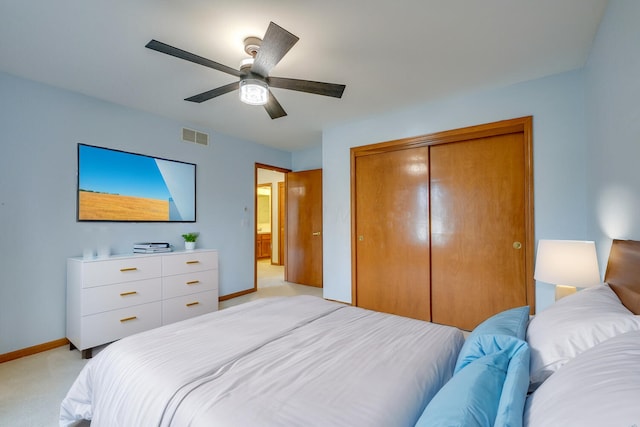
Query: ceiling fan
x=254, y=80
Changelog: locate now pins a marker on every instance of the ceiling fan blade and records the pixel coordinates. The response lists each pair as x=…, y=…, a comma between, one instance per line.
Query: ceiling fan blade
x=183, y=54
x=205, y=96
x=276, y=43
x=274, y=108
x=317, y=88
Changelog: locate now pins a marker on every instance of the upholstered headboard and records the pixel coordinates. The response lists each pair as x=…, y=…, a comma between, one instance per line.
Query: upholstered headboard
x=623, y=272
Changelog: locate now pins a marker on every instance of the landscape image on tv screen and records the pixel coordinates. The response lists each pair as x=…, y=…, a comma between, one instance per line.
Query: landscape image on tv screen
x=116, y=185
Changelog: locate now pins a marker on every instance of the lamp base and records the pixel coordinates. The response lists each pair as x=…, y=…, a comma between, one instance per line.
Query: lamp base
x=563, y=291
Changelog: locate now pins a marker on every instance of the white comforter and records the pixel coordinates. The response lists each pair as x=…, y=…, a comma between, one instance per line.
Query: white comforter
x=291, y=361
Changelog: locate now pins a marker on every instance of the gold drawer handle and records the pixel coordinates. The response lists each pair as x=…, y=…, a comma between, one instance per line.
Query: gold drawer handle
x=128, y=269
x=193, y=262
x=193, y=282
x=126, y=319
x=124, y=294
x=192, y=303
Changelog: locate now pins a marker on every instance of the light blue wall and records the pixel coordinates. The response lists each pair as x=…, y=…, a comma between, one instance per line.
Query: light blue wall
x=40, y=127
x=613, y=112
x=556, y=104
x=304, y=160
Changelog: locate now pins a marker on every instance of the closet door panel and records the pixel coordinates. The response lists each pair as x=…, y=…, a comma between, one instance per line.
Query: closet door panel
x=477, y=229
x=392, y=232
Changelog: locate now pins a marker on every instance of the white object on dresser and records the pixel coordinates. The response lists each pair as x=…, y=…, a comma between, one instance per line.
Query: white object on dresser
x=111, y=298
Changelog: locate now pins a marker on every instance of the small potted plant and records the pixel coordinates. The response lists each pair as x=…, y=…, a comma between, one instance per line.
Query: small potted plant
x=190, y=240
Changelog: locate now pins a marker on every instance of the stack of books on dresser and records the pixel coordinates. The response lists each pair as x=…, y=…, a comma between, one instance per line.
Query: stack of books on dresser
x=151, y=248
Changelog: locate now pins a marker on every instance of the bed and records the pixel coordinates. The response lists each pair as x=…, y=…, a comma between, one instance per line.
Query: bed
x=305, y=361
x=279, y=361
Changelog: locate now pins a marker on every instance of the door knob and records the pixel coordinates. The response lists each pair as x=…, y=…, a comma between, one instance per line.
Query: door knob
x=315, y=233
x=517, y=245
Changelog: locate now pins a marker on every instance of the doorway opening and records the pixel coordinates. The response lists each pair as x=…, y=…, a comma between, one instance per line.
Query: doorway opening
x=269, y=226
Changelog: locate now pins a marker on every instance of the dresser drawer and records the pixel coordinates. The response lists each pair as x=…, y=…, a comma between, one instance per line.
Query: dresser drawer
x=189, y=262
x=130, y=269
x=184, y=307
x=190, y=283
x=110, y=326
x=111, y=297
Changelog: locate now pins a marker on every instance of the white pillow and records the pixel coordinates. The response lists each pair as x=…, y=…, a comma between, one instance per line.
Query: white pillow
x=574, y=324
x=600, y=387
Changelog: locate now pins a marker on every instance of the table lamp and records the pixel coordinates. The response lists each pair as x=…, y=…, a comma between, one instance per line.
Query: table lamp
x=568, y=264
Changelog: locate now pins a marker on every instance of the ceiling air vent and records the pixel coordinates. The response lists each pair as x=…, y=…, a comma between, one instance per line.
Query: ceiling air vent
x=190, y=135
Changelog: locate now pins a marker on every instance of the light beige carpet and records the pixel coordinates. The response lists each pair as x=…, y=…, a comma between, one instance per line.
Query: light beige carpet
x=31, y=388
x=269, y=275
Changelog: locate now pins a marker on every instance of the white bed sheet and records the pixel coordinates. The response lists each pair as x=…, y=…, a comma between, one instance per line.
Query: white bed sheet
x=275, y=362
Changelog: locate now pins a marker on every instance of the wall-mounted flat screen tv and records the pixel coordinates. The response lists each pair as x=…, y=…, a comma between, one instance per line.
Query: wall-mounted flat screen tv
x=116, y=185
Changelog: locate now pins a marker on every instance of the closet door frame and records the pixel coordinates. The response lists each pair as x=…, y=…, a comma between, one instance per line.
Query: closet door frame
x=522, y=125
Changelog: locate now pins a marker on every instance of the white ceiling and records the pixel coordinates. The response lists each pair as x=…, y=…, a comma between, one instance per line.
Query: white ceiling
x=390, y=54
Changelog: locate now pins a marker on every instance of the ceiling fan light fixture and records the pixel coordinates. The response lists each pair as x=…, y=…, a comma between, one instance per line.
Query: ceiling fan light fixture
x=253, y=76
x=254, y=92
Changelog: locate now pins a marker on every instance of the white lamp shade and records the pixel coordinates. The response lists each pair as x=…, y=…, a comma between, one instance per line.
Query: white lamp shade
x=568, y=263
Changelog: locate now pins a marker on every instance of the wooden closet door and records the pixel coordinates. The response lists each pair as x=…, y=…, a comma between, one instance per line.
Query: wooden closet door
x=303, y=262
x=478, y=229
x=392, y=232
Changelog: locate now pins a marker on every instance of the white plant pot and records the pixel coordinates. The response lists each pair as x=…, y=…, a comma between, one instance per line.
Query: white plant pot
x=189, y=246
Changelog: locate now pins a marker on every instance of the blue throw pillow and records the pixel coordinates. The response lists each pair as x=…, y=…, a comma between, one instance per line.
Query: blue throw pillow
x=514, y=390
x=508, y=324
x=471, y=397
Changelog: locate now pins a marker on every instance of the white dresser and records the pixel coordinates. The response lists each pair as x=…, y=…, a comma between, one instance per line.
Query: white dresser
x=110, y=298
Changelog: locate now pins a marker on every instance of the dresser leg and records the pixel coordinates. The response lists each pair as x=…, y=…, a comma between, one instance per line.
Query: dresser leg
x=87, y=353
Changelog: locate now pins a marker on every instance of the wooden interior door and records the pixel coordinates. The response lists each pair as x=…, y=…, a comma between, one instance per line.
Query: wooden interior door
x=478, y=229
x=392, y=232
x=303, y=262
